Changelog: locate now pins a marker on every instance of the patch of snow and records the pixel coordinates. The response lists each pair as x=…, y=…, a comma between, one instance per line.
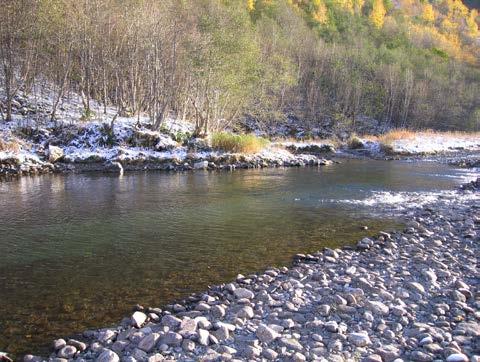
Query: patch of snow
x=422, y=144
x=435, y=143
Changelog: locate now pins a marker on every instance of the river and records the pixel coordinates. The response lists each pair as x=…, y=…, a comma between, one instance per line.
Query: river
x=79, y=251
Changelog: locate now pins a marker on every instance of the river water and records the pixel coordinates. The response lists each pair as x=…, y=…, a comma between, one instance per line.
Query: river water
x=78, y=251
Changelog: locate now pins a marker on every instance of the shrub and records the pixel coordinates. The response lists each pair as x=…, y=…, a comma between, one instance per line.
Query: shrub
x=354, y=142
x=87, y=115
x=245, y=143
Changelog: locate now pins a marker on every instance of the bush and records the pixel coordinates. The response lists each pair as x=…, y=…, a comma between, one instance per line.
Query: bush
x=245, y=143
x=87, y=115
x=354, y=142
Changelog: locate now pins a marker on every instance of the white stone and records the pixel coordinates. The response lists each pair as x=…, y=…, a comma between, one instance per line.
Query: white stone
x=108, y=356
x=201, y=165
x=54, y=153
x=241, y=293
x=266, y=334
x=378, y=307
x=203, y=337
x=457, y=357
x=138, y=318
x=359, y=339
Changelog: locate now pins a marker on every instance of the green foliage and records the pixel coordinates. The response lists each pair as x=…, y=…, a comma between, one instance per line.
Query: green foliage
x=440, y=53
x=181, y=137
x=87, y=115
x=235, y=143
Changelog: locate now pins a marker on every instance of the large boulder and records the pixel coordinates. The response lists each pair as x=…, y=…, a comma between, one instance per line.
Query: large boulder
x=153, y=139
x=200, y=165
x=198, y=144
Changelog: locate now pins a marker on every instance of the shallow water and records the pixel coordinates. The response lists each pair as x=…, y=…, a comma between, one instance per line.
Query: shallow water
x=79, y=251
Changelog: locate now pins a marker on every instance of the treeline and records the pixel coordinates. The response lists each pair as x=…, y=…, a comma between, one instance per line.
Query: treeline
x=218, y=61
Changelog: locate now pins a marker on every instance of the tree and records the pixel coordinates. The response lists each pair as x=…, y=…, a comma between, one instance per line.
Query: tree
x=377, y=15
x=428, y=13
x=320, y=13
x=472, y=23
x=17, y=47
x=223, y=58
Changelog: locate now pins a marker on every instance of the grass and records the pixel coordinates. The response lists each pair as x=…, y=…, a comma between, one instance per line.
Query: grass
x=11, y=146
x=406, y=134
x=354, y=142
x=238, y=143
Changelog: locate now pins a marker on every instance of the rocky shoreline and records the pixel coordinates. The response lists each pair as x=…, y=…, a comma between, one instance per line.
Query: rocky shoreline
x=412, y=295
x=12, y=168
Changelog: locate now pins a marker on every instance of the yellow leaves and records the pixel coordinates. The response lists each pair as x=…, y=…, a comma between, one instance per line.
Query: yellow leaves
x=377, y=16
x=344, y=4
x=321, y=12
x=448, y=26
x=472, y=23
x=456, y=9
x=250, y=5
x=428, y=13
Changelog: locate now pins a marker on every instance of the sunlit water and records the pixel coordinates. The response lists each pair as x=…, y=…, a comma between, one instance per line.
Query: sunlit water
x=79, y=251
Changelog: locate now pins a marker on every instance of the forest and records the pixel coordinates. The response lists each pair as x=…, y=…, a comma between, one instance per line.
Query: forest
x=406, y=63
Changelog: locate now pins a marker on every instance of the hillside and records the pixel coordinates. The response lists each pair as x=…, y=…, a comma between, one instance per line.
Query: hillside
x=228, y=64
x=472, y=4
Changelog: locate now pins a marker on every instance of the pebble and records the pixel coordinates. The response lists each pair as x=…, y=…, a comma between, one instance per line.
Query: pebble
x=457, y=357
x=67, y=352
x=107, y=356
x=241, y=293
x=266, y=334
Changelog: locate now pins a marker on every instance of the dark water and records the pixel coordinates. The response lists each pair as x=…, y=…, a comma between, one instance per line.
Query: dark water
x=79, y=251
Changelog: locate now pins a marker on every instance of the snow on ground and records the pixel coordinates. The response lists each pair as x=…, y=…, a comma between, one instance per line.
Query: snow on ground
x=433, y=143
x=427, y=143
x=304, y=144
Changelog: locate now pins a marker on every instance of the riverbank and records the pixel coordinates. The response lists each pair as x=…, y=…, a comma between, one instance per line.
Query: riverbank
x=410, y=295
x=105, y=142
x=129, y=144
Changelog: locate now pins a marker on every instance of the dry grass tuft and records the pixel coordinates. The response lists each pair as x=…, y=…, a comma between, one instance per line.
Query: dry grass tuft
x=405, y=134
x=395, y=135
x=354, y=142
x=245, y=143
x=9, y=146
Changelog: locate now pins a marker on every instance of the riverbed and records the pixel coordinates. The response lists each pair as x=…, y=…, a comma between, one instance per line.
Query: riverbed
x=78, y=251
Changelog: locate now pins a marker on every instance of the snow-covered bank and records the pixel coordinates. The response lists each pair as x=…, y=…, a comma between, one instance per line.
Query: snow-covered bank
x=421, y=143
x=131, y=144
x=105, y=141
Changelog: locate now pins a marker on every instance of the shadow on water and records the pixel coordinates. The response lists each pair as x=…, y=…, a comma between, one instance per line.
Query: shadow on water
x=79, y=251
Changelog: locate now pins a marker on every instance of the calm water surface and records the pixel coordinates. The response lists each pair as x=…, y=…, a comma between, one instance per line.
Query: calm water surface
x=79, y=251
